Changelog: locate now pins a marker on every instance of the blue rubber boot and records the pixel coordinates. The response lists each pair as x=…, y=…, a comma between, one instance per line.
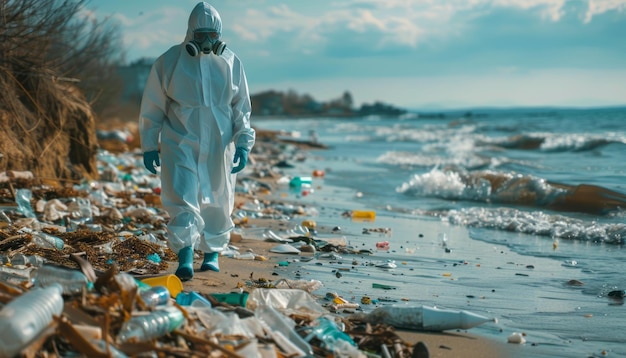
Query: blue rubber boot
x=210, y=262
x=185, y=264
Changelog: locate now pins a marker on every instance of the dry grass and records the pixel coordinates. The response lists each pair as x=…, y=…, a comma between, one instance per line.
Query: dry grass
x=46, y=127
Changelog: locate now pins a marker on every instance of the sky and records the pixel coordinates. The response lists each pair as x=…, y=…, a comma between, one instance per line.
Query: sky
x=414, y=54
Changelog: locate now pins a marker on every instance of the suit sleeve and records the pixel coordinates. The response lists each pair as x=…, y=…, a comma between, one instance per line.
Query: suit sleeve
x=243, y=134
x=153, y=111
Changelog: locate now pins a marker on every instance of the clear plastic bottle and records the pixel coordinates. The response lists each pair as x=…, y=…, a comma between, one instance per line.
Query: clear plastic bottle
x=282, y=330
x=23, y=198
x=13, y=276
x=72, y=281
x=43, y=240
x=154, y=296
x=153, y=325
x=22, y=319
x=30, y=260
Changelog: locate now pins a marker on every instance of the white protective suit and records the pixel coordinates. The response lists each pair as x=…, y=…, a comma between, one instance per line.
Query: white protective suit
x=200, y=108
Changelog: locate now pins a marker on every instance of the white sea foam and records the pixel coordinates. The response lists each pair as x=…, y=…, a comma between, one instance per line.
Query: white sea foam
x=536, y=223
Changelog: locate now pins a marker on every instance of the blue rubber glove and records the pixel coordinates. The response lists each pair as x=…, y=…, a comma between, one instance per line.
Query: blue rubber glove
x=241, y=156
x=150, y=159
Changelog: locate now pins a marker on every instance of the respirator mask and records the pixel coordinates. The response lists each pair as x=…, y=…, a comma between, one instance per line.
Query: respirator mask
x=206, y=41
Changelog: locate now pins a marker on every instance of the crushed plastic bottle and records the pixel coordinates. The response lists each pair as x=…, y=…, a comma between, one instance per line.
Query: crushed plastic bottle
x=22, y=319
x=44, y=240
x=244, y=256
x=13, y=276
x=282, y=331
x=22, y=198
x=332, y=338
x=153, y=325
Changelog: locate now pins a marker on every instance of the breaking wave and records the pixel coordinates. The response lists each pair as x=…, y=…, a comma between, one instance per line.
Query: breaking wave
x=555, y=143
x=489, y=186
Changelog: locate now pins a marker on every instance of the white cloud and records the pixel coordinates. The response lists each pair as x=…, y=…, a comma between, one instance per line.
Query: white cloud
x=597, y=7
x=551, y=9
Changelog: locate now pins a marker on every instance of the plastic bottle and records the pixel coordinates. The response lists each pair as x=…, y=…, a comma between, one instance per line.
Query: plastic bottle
x=41, y=239
x=297, y=182
x=23, y=198
x=154, y=296
x=364, y=215
x=72, y=281
x=153, y=325
x=282, y=330
x=423, y=318
x=330, y=335
x=32, y=260
x=244, y=256
x=22, y=319
x=192, y=299
x=13, y=276
x=232, y=298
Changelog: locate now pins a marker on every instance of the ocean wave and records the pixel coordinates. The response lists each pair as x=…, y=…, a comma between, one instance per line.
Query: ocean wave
x=405, y=132
x=490, y=186
x=551, y=142
x=535, y=223
x=468, y=160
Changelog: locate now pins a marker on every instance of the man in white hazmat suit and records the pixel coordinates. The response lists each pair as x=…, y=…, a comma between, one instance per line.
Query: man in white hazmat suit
x=196, y=101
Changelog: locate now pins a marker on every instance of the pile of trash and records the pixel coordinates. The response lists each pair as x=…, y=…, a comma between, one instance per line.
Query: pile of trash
x=120, y=316
x=77, y=251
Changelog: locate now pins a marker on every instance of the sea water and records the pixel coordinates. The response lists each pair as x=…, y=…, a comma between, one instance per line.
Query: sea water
x=530, y=201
